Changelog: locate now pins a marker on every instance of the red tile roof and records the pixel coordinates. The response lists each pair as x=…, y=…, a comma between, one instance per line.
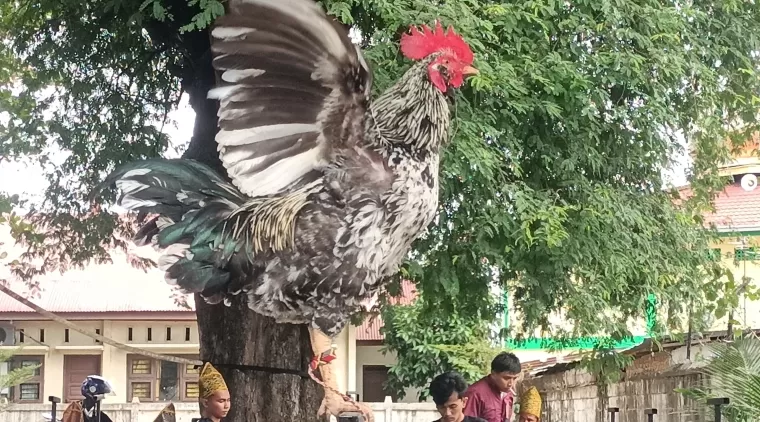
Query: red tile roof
x=735, y=208
x=370, y=329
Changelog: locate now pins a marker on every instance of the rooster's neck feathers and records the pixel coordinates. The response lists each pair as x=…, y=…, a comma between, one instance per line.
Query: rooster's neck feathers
x=411, y=113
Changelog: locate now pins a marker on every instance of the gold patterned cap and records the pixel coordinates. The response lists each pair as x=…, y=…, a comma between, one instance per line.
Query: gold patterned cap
x=168, y=414
x=530, y=402
x=210, y=381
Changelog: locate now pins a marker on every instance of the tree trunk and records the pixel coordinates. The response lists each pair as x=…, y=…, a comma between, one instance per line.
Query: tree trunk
x=235, y=334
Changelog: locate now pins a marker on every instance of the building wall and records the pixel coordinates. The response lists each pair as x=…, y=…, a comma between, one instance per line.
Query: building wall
x=748, y=313
x=113, y=361
x=372, y=356
x=348, y=366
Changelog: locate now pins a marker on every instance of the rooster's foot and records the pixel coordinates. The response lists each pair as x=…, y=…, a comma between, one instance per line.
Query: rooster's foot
x=336, y=404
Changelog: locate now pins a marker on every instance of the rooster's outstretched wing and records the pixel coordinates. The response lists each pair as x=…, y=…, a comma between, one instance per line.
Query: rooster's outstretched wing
x=294, y=92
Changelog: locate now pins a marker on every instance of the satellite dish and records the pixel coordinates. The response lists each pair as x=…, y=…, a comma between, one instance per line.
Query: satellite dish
x=749, y=182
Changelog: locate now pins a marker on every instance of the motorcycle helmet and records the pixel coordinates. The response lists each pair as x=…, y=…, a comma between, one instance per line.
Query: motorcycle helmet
x=96, y=387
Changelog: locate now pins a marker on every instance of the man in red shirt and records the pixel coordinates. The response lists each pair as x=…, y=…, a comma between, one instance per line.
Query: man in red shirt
x=492, y=397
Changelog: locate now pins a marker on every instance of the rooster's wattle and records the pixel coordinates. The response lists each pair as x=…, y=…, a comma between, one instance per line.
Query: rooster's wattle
x=329, y=189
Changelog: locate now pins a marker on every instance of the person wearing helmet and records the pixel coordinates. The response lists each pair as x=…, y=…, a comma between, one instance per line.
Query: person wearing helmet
x=214, y=395
x=94, y=389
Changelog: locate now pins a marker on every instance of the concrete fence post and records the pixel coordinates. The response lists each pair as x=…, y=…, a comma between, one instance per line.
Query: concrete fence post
x=134, y=412
x=388, y=408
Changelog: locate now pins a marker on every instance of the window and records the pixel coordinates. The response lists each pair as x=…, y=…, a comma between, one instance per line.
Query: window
x=66, y=335
x=150, y=334
x=746, y=254
x=140, y=378
x=190, y=383
x=714, y=254
x=129, y=334
x=187, y=333
x=168, y=333
x=97, y=331
x=151, y=380
x=21, y=336
x=30, y=391
x=42, y=335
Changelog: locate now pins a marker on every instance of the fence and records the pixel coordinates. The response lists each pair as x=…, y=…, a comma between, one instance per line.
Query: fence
x=651, y=414
x=146, y=412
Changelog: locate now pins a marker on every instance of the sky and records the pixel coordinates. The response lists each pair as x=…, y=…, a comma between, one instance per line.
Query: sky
x=28, y=180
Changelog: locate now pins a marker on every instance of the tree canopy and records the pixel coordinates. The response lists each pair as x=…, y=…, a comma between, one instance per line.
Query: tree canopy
x=552, y=184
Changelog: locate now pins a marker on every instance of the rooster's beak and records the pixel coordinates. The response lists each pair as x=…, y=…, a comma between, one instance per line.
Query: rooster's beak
x=469, y=71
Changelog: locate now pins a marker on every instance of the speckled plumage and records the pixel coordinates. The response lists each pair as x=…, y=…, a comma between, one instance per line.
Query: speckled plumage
x=329, y=190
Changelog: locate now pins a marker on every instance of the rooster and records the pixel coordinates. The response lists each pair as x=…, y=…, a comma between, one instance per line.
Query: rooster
x=328, y=188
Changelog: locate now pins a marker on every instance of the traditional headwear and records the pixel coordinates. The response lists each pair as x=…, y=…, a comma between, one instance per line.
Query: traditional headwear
x=168, y=414
x=530, y=402
x=210, y=381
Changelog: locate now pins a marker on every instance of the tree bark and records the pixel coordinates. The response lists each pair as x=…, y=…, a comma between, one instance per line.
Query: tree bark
x=235, y=334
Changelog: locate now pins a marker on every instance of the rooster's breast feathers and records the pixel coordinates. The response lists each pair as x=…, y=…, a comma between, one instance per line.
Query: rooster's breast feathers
x=293, y=93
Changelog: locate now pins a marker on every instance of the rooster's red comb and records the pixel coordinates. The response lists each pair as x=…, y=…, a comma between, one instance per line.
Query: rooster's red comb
x=417, y=44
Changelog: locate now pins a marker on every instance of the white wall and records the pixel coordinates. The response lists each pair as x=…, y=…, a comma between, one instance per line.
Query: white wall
x=348, y=365
x=113, y=361
x=371, y=355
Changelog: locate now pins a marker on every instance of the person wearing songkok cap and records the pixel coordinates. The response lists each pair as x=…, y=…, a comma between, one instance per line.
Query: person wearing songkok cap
x=214, y=394
x=530, y=405
x=168, y=414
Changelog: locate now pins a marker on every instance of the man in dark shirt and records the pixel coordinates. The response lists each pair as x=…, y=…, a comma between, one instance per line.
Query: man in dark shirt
x=447, y=390
x=492, y=397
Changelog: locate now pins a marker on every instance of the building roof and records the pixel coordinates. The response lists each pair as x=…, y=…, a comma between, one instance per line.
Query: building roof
x=101, y=296
x=118, y=287
x=115, y=287
x=370, y=329
x=139, y=295
x=536, y=366
x=735, y=208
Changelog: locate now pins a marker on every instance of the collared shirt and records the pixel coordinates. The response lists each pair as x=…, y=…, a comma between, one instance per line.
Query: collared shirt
x=487, y=402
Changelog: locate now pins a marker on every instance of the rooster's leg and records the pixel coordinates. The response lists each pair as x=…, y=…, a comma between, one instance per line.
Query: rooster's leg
x=335, y=403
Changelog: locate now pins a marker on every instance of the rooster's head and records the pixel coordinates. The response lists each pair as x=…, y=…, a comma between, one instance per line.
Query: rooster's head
x=450, y=56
